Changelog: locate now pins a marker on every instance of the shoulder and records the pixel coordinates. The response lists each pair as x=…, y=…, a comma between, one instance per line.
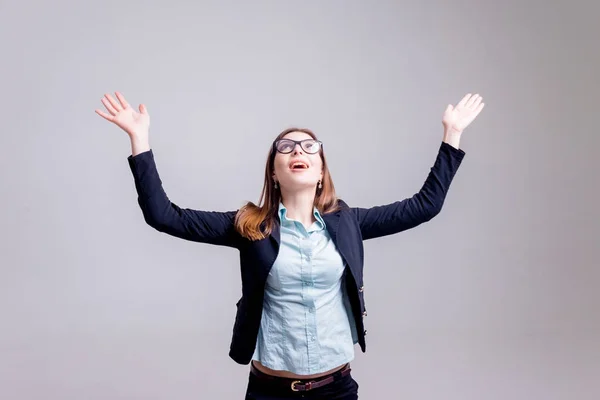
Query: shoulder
x=343, y=208
x=342, y=205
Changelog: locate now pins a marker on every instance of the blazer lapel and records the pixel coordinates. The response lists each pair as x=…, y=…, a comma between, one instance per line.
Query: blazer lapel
x=332, y=221
x=276, y=233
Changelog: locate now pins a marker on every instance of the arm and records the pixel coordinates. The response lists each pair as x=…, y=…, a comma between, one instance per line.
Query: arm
x=159, y=212
x=427, y=203
x=423, y=206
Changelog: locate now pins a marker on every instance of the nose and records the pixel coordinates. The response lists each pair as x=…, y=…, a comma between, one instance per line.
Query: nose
x=297, y=149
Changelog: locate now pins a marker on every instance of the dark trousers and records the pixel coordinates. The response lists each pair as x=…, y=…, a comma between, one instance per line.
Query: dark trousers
x=260, y=388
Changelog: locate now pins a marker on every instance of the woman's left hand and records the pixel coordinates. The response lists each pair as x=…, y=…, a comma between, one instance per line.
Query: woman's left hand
x=456, y=119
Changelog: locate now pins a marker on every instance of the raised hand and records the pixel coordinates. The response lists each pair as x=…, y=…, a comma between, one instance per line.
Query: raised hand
x=456, y=119
x=135, y=124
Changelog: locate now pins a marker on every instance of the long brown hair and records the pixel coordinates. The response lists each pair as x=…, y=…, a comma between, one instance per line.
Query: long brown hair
x=255, y=222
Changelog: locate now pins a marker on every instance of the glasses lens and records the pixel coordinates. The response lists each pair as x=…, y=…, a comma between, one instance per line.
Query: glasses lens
x=285, y=145
x=310, y=146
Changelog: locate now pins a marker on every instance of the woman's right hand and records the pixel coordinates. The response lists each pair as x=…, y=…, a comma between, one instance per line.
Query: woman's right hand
x=135, y=124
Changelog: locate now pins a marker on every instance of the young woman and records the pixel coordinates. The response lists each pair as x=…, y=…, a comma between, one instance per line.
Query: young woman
x=302, y=307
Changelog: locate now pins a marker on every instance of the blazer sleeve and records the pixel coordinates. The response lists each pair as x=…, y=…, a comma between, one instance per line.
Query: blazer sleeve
x=404, y=214
x=159, y=212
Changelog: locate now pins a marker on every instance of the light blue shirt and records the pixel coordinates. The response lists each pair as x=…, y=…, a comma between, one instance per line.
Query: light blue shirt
x=307, y=325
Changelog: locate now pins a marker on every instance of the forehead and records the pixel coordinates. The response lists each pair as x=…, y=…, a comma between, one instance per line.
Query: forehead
x=297, y=135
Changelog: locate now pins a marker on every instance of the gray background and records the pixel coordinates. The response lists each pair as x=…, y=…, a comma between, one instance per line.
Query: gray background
x=496, y=298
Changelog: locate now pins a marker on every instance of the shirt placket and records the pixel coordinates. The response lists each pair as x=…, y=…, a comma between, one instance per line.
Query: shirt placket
x=308, y=296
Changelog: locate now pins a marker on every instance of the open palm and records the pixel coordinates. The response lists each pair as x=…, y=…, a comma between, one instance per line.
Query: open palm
x=124, y=116
x=456, y=119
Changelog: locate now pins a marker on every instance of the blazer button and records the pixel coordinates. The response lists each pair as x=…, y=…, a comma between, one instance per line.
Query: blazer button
x=364, y=314
x=361, y=289
x=365, y=333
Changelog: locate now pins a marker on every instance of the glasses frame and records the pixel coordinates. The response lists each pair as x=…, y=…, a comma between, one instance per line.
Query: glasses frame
x=297, y=142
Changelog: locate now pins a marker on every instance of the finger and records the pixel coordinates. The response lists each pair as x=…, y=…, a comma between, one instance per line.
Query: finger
x=104, y=115
x=464, y=100
x=122, y=100
x=472, y=100
x=108, y=106
x=476, y=112
x=476, y=102
x=113, y=102
x=479, y=108
x=143, y=109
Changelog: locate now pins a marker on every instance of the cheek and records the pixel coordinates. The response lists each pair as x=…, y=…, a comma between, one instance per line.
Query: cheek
x=279, y=165
x=317, y=166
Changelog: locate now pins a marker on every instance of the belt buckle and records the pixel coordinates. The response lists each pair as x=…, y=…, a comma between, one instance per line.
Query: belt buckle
x=293, y=388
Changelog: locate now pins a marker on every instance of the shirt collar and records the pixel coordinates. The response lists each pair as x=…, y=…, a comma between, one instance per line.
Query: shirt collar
x=283, y=215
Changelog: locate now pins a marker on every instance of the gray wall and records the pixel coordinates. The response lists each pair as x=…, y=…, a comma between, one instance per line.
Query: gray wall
x=496, y=298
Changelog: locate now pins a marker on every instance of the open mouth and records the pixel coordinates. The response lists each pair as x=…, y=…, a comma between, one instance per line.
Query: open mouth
x=298, y=165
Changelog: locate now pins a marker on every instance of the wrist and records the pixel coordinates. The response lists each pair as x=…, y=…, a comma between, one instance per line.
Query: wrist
x=139, y=145
x=452, y=137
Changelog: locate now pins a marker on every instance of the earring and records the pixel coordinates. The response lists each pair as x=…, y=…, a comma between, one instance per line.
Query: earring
x=276, y=186
x=320, y=184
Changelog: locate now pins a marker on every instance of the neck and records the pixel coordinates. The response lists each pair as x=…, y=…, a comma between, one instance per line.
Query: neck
x=300, y=206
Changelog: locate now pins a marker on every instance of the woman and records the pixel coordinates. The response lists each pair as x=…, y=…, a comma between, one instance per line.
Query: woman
x=302, y=308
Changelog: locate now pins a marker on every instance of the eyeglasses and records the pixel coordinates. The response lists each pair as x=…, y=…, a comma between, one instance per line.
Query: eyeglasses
x=286, y=146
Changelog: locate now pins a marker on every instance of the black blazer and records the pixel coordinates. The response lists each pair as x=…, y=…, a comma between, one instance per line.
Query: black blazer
x=348, y=227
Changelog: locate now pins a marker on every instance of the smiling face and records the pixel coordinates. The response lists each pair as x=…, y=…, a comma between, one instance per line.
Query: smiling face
x=297, y=170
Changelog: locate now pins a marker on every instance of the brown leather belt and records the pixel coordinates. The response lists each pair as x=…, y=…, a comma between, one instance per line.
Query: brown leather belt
x=301, y=385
